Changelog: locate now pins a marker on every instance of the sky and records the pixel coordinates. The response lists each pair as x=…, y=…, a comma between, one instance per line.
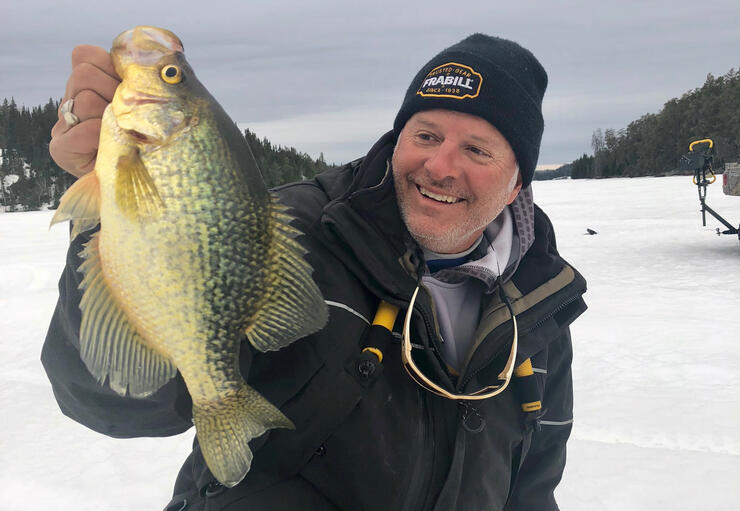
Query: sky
x=328, y=76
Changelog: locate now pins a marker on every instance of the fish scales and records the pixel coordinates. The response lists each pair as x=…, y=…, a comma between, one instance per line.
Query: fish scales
x=211, y=265
x=193, y=253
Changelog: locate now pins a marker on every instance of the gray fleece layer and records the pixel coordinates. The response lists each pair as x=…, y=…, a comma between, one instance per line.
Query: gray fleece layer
x=457, y=291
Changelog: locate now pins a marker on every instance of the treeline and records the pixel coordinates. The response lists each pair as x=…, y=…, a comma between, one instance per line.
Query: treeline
x=652, y=145
x=280, y=165
x=560, y=172
x=30, y=180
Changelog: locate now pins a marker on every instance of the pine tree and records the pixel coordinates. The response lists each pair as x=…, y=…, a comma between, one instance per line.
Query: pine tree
x=652, y=144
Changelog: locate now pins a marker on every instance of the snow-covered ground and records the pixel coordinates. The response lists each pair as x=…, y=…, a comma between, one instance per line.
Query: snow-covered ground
x=656, y=365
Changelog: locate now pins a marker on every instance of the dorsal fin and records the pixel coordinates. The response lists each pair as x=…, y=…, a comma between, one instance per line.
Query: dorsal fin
x=81, y=204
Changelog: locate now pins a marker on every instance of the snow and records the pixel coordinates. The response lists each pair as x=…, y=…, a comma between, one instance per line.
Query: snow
x=10, y=179
x=656, y=366
x=656, y=363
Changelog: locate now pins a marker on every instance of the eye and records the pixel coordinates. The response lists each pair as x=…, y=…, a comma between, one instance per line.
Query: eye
x=425, y=137
x=477, y=151
x=171, y=74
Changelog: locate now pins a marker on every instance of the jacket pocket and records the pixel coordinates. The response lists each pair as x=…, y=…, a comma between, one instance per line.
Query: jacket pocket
x=360, y=463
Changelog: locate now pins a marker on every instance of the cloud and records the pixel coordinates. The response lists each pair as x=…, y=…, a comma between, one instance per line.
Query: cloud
x=338, y=70
x=342, y=136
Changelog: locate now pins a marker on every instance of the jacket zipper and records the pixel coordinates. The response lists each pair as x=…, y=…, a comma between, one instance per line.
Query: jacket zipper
x=418, y=491
x=551, y=314
x=524, y=332
x=430, y=326
x=418, y=486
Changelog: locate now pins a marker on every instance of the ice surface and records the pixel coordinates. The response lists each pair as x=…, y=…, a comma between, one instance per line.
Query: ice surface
x=656, y=365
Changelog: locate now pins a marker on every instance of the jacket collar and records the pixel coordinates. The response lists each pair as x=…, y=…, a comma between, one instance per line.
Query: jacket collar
x=372, y=239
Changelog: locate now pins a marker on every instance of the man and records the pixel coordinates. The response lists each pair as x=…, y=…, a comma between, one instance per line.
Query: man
x=436, y=220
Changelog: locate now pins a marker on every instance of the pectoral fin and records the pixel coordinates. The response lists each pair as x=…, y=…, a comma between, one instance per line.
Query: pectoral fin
x=109, y=345
x=136, y=193
x=81, y=204
x=293, y=306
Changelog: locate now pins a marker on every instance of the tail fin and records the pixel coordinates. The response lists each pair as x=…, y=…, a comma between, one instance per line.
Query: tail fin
x=225, y=428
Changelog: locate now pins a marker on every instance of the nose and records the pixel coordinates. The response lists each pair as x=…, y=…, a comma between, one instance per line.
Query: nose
x=443, y=163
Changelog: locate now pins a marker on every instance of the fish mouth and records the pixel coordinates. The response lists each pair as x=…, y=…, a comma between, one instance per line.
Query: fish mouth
x=142, y=99
x=125, y=108
x=140, y=137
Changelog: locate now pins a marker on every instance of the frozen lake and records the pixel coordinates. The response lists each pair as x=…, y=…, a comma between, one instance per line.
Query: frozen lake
x=656, y=364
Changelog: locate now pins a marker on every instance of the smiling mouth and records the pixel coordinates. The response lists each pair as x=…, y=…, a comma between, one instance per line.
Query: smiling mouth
x=444, y=199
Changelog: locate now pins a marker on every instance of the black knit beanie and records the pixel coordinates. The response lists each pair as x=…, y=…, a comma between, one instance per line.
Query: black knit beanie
x=490, y=77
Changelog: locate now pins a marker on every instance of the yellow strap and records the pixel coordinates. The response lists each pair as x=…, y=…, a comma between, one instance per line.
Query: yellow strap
x=711, y=180
x=532, y=407
x=703, y=141
x=386, y=315
x=374, y=351
x=524, y=369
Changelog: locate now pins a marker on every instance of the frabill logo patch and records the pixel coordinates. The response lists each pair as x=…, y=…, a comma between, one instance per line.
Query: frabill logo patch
x=451, y=80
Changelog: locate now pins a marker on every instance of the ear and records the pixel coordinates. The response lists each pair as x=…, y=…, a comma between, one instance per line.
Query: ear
x=517, y=188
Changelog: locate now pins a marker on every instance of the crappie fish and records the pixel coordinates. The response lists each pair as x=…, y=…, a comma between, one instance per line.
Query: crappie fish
x=192, y=254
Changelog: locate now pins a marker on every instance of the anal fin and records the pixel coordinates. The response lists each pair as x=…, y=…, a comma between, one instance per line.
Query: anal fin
x=109, y=345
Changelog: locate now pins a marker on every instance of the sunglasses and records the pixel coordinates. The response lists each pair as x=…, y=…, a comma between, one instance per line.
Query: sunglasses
x=421, y=379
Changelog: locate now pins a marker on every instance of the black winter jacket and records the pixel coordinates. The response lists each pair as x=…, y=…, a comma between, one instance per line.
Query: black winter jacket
x=368, y=439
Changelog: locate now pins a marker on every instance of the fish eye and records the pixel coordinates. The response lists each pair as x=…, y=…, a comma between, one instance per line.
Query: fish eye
x=171, y=74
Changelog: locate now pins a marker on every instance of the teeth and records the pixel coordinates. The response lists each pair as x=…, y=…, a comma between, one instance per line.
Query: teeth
x=441, y=198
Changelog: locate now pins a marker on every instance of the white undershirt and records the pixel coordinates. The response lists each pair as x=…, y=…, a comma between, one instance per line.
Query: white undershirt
x=458, y=304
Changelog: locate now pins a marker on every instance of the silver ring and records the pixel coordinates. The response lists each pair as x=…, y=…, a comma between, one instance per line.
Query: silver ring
x=66, y=110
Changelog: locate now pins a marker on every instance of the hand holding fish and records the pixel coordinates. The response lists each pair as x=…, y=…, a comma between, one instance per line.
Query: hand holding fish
x=90, y=87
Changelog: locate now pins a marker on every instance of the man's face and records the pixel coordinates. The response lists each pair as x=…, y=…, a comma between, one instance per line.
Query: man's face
x=454, y=173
